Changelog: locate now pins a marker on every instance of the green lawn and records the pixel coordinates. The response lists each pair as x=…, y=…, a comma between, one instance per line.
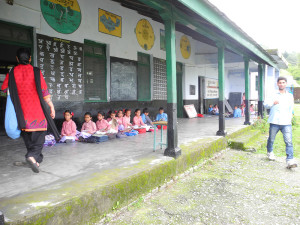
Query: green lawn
x=279, y=145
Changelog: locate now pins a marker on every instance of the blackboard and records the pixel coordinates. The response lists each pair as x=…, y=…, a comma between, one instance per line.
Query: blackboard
x=235, y=98
x=61, y=62
x=123, y=79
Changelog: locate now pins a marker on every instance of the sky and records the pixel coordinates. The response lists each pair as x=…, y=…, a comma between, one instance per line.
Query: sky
x=271, y=23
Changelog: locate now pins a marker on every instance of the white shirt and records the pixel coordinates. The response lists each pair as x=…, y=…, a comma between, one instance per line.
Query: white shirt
x=282, y=113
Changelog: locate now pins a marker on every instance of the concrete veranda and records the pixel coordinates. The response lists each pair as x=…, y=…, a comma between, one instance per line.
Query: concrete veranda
x=65, y=163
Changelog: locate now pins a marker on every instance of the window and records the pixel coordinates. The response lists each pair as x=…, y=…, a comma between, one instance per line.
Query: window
x=95, y=71
x=256, y=83
x=144, y=77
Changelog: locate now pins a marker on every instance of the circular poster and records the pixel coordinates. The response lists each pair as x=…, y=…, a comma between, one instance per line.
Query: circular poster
x=144, y=34
x=185, y=47
x=62, y=16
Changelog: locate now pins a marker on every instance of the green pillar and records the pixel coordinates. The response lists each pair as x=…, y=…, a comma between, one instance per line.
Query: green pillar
x=261, y=68
x=172, y=150
x=221, y=72
x=247, y=91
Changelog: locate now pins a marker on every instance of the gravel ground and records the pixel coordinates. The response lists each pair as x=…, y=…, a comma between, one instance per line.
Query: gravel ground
x=236, y=188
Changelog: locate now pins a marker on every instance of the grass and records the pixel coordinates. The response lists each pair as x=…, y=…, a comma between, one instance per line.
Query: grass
x=279, y=145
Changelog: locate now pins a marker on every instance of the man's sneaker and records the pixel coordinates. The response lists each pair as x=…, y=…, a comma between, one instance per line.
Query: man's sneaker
x=291, y=163
x=271, y=156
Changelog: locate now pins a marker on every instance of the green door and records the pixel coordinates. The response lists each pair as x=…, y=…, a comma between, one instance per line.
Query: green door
x=179, y=90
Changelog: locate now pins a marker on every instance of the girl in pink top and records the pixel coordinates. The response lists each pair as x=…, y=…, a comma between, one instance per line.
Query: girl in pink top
x=113, y=122
x=137, y=120
x=102, y=124
x=120, y=117
x=88, y=128
x=68, y=131
x=126, y=119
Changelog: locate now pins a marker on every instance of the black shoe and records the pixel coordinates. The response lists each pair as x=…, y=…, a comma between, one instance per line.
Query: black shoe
x=91, y=140
x=34, y=167
x=81, y=139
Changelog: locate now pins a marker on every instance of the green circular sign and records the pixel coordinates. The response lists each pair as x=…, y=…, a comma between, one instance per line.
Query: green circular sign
x=63, y=16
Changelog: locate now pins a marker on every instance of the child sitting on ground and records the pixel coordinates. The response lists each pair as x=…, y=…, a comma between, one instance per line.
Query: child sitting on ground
x=251, y=109
x=215, y=110
x=126, y=119
x=145, y=117
x=237, y=112
x=88, y=127
x=137, y=120
x=161, y=116
x=210, y=109
x=120, y=117
x=114, y=125
x=68, y=131
x=102, y=125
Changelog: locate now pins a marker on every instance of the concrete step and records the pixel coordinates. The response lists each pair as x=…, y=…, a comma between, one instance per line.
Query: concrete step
x=87, y=199
x=246, y=141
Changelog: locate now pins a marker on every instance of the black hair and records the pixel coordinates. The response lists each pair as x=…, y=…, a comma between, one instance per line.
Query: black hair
x=161, y=108
x=137, y=110
x=120, y=110
x=215, y=105
x=101, y=113
x=23, y=55
x=126, y=110
x=113, y=112
x=68, y=111
x=88, y=114
x=145, y=110
x=281, y=78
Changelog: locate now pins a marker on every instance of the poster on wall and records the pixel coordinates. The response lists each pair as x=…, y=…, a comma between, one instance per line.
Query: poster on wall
x=61, y=62
x=211, y=88
x=185, y=47
x=63, y=16
x=110, y=23
x=145, y=34
x=162, y=40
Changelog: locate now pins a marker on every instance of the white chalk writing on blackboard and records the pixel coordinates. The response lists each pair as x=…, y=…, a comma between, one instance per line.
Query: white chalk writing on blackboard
x=60, y=62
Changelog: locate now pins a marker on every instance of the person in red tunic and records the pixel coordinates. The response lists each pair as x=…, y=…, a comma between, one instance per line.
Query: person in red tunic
x=35, y=120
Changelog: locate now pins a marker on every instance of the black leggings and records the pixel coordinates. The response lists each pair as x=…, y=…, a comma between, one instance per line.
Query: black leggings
x=34, y=142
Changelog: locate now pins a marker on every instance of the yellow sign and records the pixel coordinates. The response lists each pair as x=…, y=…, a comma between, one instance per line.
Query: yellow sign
x=144, y=34
x=185, y=47
x=73, y=4
x=110, y=23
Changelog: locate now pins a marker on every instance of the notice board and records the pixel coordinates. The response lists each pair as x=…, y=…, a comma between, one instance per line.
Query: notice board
x=190, y=110
x=211, y=88
x=61, y=62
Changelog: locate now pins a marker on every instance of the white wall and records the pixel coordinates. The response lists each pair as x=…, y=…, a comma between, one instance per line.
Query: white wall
x=29, y=13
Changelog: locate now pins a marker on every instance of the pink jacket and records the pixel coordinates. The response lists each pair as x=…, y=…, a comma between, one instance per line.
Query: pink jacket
x=120, y=120
x=137, y=120
x=102, y=124
x=90, y=127
x=68, y=128
x=126, y=121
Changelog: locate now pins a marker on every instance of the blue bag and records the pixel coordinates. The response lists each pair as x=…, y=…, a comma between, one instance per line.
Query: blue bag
x=11, y=122
x=131, y=133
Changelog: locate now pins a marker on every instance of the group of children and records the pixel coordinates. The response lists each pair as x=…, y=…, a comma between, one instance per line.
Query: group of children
x=115, y=122
x=239, y=111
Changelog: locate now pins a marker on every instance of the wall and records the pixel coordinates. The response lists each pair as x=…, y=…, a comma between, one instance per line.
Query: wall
x=29, y=13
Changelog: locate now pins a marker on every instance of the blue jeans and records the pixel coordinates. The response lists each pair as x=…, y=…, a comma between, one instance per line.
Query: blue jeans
x=286, y=131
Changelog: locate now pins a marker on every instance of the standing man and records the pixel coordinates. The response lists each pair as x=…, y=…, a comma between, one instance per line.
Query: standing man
x=281, y=112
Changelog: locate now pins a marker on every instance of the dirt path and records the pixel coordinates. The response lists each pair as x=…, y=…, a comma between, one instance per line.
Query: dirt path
x=237, y=188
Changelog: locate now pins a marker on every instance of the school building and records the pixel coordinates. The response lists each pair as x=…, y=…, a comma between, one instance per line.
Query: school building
x=115, y=54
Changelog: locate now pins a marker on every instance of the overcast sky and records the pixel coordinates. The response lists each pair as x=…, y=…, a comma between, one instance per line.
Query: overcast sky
x=271, y=23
